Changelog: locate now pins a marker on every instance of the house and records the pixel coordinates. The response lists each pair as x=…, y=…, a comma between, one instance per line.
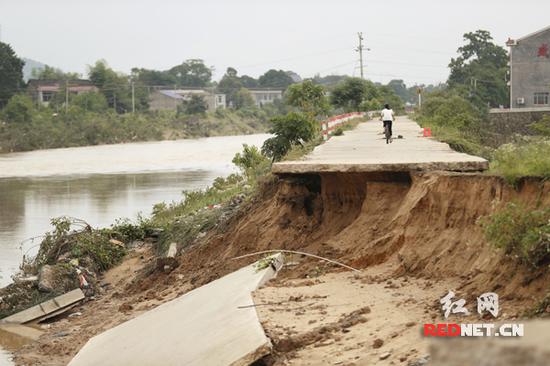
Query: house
x=530, y=70
x=265, y=96
x=43, y=91
x=170, y=99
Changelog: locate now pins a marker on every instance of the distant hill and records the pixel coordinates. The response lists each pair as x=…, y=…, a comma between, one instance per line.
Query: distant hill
x=29, y=66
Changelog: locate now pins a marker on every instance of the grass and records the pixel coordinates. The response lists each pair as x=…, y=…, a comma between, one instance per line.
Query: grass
x=521, y=232
x=514, y=161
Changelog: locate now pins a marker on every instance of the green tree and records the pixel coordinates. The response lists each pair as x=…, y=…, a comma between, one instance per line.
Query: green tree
x=308, y=97
x=192, y=73
x=349, y=94
x=249, y=82
x=479, y=72
x=51, y=73
x=400, y=89
x=153, y=77
x=11, y=73
x=251, y=162
x=195, y=105
x=114, y=86
x=243, y=99
x=19, y=109
x=93, y=102
x=275, y=79
x=230, y=84
x=292, y=129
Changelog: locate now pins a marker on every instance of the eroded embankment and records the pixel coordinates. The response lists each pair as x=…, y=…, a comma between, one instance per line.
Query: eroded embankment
x=423, y=225
x=427, y=223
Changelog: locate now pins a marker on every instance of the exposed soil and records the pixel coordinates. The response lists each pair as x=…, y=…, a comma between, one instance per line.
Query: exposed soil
x=416, y=236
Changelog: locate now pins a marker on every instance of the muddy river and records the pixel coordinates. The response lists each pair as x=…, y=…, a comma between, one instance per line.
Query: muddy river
x=100, y=184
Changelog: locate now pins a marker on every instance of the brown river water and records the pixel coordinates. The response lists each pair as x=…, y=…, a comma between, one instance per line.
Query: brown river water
x=100, y=184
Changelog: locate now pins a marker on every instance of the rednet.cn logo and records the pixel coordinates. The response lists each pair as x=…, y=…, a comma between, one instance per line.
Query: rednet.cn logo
x=487, y=302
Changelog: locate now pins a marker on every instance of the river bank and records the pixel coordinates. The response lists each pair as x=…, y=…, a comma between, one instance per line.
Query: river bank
x=48, y=130
x=409, y=267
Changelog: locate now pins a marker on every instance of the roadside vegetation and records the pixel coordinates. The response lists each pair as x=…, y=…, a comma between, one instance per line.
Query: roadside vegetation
x=521, y=232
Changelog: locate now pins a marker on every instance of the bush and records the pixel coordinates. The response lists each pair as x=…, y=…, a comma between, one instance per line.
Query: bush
x=522, y=233
x=289, y=130
x=516, y=161
x=251, y=162
x=455, y=121
x=542, y=127
x=19, y=109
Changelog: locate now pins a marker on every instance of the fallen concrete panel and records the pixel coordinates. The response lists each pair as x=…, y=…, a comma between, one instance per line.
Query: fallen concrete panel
x=203, y=327
x=21, y=330
x=365, y=150
x=47, y=309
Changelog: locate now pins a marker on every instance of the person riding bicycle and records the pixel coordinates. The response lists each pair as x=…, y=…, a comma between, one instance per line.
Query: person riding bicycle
x=387, y=117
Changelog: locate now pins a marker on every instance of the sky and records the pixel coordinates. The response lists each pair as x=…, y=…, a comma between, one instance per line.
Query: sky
x=410, y=40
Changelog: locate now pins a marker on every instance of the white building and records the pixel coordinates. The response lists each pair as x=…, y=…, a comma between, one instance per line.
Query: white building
x=170, y=99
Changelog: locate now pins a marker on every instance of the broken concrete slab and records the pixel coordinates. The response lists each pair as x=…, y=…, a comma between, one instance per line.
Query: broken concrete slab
x=207, y=326
x=365, y=150
x=21, y=330
x=47, y=309
x=168, y=262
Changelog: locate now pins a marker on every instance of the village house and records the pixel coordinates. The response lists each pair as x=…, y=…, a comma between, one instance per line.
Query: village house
x=171, y=99
x=265, y=96
x=42, y=91
x=530, y=70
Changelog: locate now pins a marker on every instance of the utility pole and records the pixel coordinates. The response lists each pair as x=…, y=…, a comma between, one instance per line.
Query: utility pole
x=360, y=50
x=133, y=99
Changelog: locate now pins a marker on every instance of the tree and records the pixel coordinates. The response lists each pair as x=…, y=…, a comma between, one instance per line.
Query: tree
x=349, y=94
x=195, y=105
x=153, y=77
x=292, y=129
x=243, y=99
x=479, y=72
x=230, y=84
x=400, y=89
x=51, y=73
x=11, y=73
x=115, y=87
x=248, y=82
x=19, y=109
x=275, y=79
x=251, y=162
x=308, y=97
x=192, y=73
x=93, y=102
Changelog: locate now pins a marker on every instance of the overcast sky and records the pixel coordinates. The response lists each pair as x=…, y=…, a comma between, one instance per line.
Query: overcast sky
x=411, y=40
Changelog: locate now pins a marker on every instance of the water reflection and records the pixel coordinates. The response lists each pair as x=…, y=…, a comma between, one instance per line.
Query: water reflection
x=100, y=184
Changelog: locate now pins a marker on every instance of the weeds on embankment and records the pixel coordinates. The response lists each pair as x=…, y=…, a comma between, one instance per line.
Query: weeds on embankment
x=513, y=161
x=521, y=232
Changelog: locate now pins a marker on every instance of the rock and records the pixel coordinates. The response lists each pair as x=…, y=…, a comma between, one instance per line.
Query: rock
x=377, y=343
x=46, y=278
x=383, y=356
x=420, y=362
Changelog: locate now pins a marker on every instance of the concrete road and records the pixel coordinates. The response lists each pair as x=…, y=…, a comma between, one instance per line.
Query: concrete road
x=365, y=150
